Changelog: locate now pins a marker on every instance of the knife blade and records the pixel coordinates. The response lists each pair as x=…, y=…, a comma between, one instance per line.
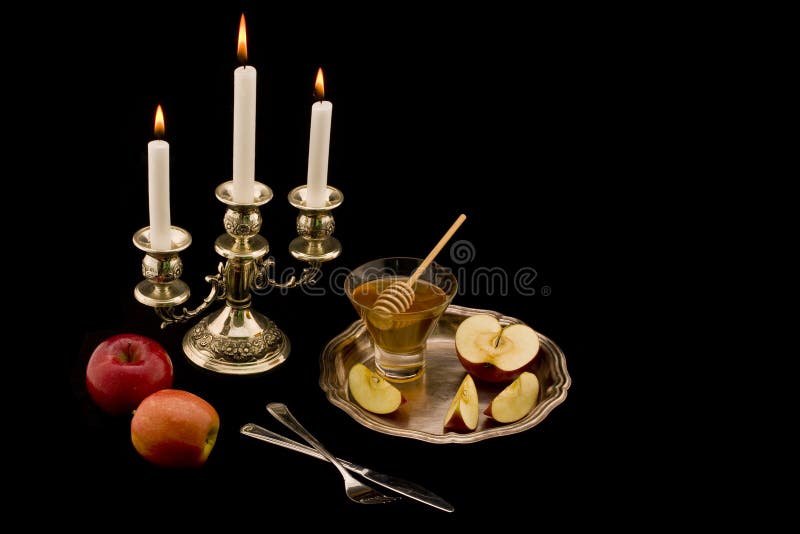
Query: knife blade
x=403, y=487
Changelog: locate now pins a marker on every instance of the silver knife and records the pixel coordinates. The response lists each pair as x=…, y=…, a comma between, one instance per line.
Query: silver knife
x=403, y=487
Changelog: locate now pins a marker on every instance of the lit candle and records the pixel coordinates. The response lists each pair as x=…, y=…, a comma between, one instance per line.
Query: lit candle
x=244, y=124
x=318, y=146
x=158, y=186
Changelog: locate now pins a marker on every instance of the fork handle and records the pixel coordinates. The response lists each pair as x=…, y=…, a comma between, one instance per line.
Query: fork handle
x=281, y=412
x=258, y=432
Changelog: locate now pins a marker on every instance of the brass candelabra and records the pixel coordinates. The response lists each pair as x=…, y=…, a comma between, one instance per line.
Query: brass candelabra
x=236, y=339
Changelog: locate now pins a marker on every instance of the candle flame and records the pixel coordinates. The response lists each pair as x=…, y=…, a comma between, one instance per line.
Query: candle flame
x=241, y=51
x=319, y=86
x=158, y=130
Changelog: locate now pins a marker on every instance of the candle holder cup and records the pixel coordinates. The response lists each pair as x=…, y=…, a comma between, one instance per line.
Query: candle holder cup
x=314, y=227
x=236, y=339
x=162, y=269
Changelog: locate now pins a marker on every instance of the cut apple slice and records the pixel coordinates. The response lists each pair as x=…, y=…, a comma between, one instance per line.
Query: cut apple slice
x=491, y=352
x=462, y=416
x=372, y=392
x=516, y=400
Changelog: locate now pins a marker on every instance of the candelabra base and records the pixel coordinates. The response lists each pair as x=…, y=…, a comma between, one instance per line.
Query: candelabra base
x=236, y=341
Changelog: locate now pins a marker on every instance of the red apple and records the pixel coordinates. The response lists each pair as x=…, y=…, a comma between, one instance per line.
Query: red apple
x=124, y=369
x=516, y=400
x=494, y=353
x=462, y=416
x=174, y=428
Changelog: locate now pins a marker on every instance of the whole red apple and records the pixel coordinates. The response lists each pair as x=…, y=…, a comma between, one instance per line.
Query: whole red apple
x=124, y=369
x=174, y=428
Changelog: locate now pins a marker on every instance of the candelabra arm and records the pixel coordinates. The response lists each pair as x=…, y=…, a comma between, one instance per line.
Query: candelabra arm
x=262, y=280
x=171, y=315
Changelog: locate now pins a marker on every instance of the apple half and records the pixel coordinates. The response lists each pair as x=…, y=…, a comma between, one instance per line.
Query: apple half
x=491, y=352
x=516, y=400
x=372, y=392
x=462, y=416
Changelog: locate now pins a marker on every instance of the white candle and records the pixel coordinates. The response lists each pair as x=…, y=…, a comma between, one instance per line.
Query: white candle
x=244, y=124
x=318, y=147
x=158, y=187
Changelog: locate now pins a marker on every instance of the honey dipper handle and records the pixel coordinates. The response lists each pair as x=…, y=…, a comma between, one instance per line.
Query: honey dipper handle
x=439, y=246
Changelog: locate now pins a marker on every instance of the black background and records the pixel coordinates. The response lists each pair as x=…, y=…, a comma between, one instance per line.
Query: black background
x=506, y=118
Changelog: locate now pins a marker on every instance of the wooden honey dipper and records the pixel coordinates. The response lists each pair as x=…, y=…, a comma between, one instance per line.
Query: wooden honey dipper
x=399, y=296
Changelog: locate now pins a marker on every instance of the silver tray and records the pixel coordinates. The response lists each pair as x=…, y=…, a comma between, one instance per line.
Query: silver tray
x=422, y=417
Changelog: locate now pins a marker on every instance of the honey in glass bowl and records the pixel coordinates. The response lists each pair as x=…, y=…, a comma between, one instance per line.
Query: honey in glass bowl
x=400, y=338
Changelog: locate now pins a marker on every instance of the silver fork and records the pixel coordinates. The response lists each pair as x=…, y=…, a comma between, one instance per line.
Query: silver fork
x=356, y=491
